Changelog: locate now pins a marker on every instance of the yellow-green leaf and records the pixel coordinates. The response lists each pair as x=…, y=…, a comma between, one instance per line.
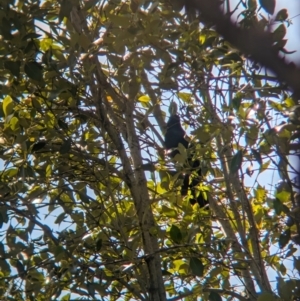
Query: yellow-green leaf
x=168, y=211
x=144, y=98
x=48, y=170
x=8, y=105
x=14, y=124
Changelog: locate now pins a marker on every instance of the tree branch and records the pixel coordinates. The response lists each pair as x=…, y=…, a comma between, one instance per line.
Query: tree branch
x=254, y=42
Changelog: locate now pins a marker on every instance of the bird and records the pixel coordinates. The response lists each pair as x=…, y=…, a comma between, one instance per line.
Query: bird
x=174, y=136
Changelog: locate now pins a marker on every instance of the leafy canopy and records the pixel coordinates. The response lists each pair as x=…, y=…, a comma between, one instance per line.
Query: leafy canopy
x=90, y=205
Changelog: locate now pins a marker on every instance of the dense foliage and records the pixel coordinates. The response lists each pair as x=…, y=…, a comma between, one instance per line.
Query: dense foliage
x=90, y=204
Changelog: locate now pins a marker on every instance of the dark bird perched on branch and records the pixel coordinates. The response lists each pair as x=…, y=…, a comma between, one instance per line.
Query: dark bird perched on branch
x=174, y=136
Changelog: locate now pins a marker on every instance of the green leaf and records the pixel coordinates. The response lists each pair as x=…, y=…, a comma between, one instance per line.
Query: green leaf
x=264, y=166
x=13, y=67
x=285, y=288
x=289, y=102
x=84, y=42
x=62, y=124
x=283, y=196
x=168, y=212
x=34, y=71
x=280, y=44
x=48, y=170
x=275, y=105
x=260, y=193
x=251, y=135
x=252, y=4
x=20, y=267
x=278, y=206
x=236, y=162
x=60, y=218
x=1, y=220
x=59, y=253
x=177, y=5
x=282, y=269
x=91, y=288
x=291, y=251
x=98, y=244
x=3, y=215
x=10, y=173
x=236, y=101
x=6, y=28
x=66, y=297
x=65, y=147
x=35, y=192
x=175, y=234
x=65, y=9
x=196, y=267
x=78, y=217
x=83, y=197
x=36, y=104
x=266, y=297
x=268, y=5
x=168, y=84
x=7, y=105
x=148, y=167
x=186, y=97
x=206, y=131
x=279, y=33
x=282, y=15
x=38, y=145
x=4, y=267
x=284, y=238
x=214, y=296
x=257, y=156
